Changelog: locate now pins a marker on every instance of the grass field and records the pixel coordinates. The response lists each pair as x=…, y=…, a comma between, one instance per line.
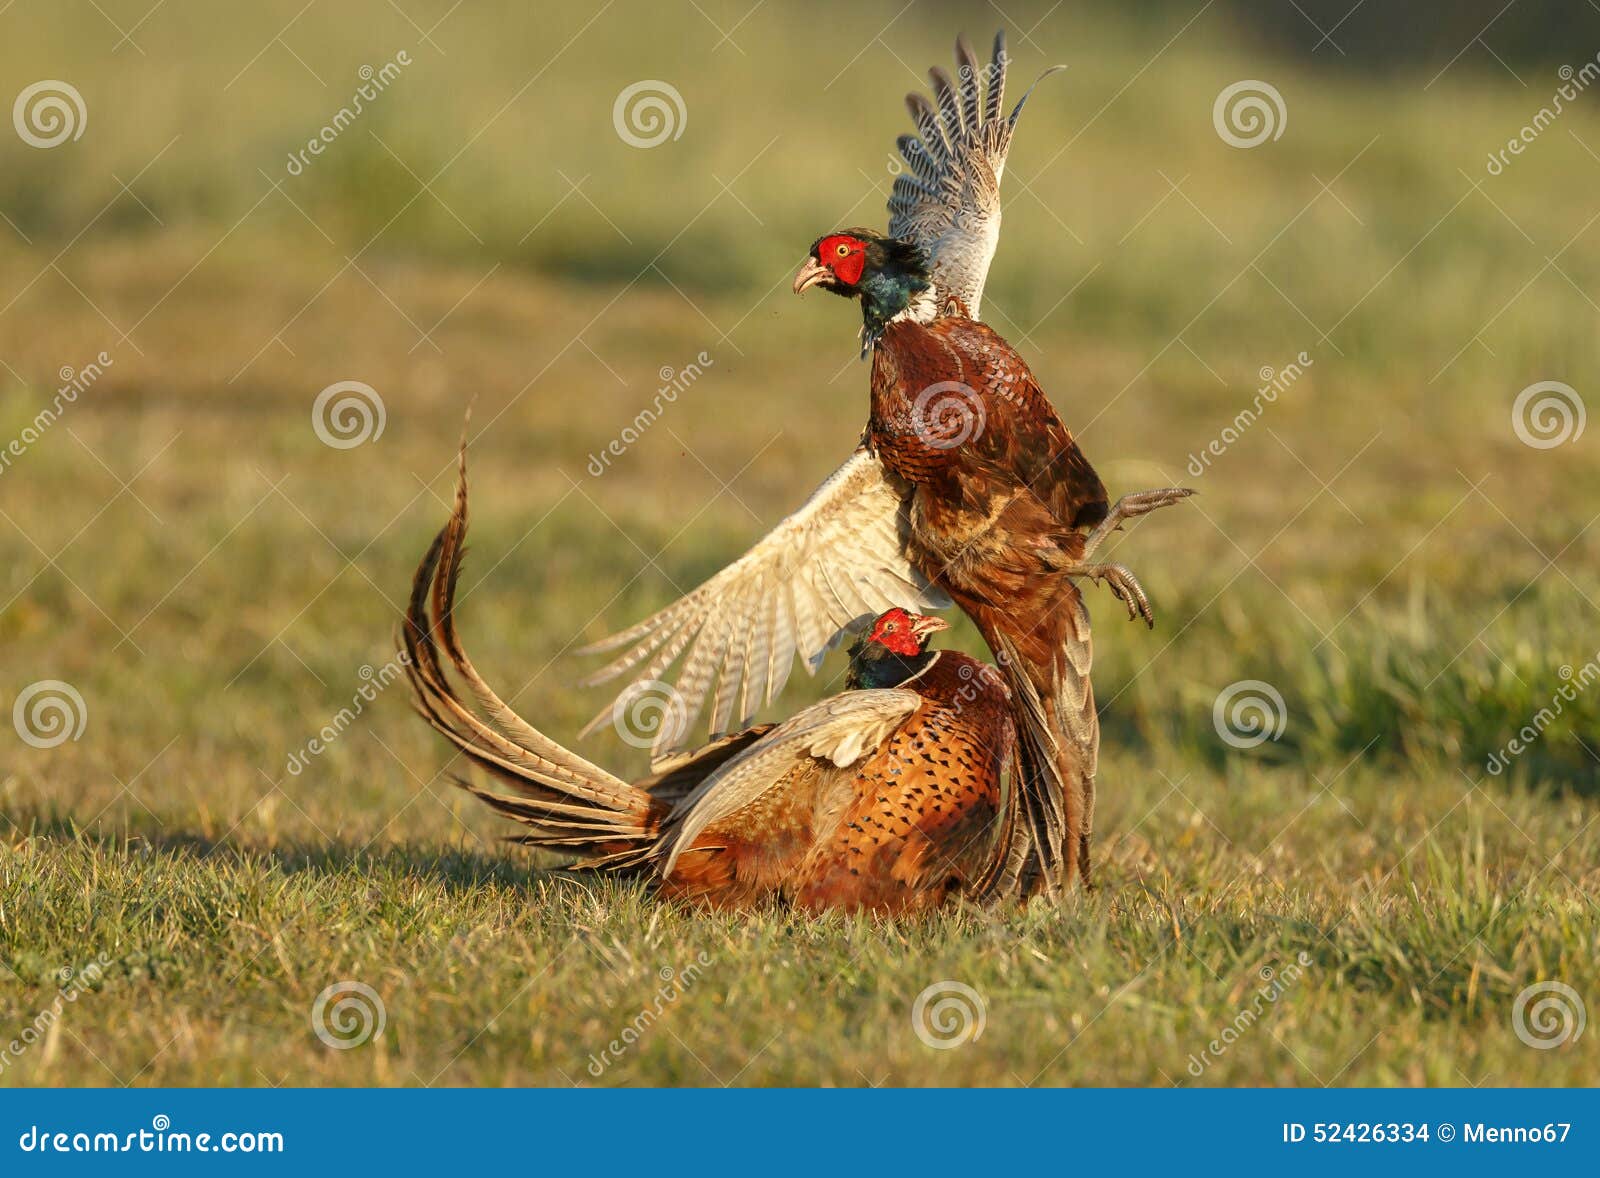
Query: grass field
x=1358, y=901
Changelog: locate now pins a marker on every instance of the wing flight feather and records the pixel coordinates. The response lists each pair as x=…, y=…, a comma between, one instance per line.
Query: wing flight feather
x=949, y=200
x=843, y=554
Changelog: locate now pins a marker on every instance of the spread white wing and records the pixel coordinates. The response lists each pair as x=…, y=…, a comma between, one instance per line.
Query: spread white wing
x=839, y=731
x=840, y=557
x=948, y=201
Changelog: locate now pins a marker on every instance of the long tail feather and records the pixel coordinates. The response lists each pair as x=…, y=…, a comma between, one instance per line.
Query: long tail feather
x=1058, y=742
x=566, y=802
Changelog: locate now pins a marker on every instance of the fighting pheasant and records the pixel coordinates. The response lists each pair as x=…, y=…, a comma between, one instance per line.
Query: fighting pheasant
x=886, y=797
x=968, y=486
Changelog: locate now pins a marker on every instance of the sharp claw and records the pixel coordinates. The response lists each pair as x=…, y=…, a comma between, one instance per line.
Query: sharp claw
x=1126, y=588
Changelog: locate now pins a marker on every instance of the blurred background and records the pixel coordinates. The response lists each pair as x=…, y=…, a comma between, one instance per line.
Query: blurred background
x=1277, y=251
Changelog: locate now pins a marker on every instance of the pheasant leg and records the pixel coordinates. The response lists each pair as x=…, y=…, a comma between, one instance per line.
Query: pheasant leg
x=1123, y=583
x=1086, y=837
x=1131, y=507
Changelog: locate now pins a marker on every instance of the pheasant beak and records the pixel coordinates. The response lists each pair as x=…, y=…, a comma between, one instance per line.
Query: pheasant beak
x=926, y=626
x=812, y=273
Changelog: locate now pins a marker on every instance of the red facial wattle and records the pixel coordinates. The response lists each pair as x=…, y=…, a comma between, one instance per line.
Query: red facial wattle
x=845, y=256
x=894, y=631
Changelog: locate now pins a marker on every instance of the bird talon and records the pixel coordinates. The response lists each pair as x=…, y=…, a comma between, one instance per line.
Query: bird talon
x=1127, y=588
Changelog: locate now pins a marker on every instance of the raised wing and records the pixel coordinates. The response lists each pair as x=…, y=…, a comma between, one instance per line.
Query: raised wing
x=948, y=201
x=839, y=557
x=839, y=730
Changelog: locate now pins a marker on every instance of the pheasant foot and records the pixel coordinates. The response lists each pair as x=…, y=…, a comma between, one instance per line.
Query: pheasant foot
x=1131, y=507
x=1123, y=583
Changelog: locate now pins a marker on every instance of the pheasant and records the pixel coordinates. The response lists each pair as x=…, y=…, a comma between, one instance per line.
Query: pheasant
x=886, y=797
x=1004, y=510
x=967, y=487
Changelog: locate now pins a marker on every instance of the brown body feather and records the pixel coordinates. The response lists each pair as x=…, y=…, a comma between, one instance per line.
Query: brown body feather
x=1000, y=491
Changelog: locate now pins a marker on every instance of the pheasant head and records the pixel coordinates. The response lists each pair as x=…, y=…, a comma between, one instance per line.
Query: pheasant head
x=893, y=649
x=886, y=273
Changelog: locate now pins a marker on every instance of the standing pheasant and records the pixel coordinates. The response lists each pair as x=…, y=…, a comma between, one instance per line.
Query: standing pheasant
x=968, y=487
x=886, y=797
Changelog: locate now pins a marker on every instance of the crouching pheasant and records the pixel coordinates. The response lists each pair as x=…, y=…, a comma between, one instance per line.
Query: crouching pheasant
x=885, y=797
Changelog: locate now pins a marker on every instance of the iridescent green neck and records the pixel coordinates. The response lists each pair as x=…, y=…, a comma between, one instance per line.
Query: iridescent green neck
x=873, y=665
x=887, y=292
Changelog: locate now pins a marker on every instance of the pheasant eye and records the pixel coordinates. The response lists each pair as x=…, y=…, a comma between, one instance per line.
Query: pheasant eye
x=843, y=251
